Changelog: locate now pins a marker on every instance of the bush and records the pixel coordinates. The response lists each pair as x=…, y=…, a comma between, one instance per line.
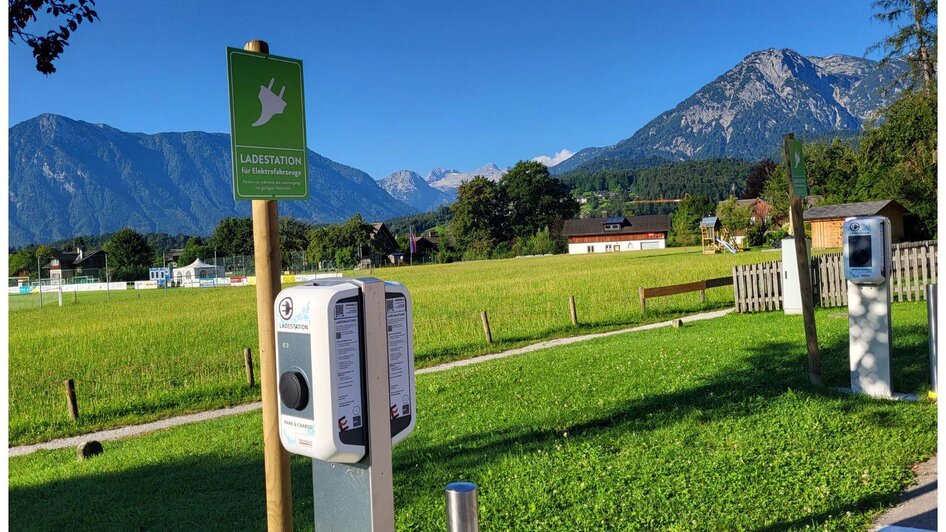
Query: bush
x=775, y=236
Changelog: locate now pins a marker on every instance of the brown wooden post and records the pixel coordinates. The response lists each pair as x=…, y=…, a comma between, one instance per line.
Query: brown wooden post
x=486, y=330
x=248, y=362
x=703, y=296
x=804, y=274
x=71, y=399
x=571, y=308
x=640, y=291
x=268, y=284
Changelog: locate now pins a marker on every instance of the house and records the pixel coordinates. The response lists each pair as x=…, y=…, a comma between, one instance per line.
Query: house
x=617, y=233
x=827, y=220
x=64, y=266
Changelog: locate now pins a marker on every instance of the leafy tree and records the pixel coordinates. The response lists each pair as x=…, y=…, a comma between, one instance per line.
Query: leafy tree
x=194, y=249
x=832, y=171
x=897, y=160
x=759, y=173
x=686, y=220
x=129, y=255
x=23, y=262
x=479, y=214
x=233, y=236
x=734, y=217
x=48, y=48
x=536, y=199
x=342, y=243
x=292, y=239
x=914, y=41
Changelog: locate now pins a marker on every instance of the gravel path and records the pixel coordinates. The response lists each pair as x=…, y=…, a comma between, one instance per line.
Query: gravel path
x=137, y=430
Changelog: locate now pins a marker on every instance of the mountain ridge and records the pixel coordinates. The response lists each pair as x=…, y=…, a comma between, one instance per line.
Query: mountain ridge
x=70, y=177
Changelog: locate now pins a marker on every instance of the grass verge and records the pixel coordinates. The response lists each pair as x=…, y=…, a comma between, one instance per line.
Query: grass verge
x=709, y=427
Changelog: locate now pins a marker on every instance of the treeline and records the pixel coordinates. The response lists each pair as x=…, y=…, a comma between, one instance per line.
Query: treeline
x=642, y=178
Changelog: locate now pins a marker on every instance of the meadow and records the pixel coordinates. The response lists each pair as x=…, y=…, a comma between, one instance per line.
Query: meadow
x=712, y=426
x=142, y=356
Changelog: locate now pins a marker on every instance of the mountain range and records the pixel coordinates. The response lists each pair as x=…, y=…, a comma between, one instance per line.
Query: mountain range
x=745, y=112
x=69, y=178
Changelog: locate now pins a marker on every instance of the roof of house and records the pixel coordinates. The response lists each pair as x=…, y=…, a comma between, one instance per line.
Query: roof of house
x=653, y=223
x=709, y=221
x=846, y=210
x=66, y=258
x=89, y=255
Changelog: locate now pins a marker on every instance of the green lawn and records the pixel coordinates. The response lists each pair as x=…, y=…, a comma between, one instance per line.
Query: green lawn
x=709, y=427
x=152, y=354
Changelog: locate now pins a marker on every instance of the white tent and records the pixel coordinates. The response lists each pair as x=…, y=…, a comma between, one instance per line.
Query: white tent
x=196, y=271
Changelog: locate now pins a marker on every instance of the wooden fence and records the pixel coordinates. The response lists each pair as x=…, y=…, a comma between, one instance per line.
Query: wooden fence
x=758, y=287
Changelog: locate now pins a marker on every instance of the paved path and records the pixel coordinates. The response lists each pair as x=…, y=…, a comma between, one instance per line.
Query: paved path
x=137, y=430
x=917, y=508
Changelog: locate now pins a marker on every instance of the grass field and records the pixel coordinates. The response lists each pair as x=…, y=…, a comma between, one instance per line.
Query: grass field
x=709, y=427
x=152, y=354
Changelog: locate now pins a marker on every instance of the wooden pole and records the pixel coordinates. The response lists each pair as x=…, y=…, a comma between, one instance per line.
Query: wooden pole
x=486, y=331
x=266, y=252
x=640, y=291
x=804, y=274
x=572, y=310
x=71, y=399
x=248, y=362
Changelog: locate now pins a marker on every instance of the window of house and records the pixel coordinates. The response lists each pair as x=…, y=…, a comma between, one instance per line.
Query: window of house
x=591, y=249
x=607, y=247
x=612, y=227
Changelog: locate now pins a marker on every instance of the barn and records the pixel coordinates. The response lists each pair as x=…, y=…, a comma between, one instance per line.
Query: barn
x=617, y=233
x=827, y=220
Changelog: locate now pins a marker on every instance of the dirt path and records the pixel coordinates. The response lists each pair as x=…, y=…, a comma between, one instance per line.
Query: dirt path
x=137, y=430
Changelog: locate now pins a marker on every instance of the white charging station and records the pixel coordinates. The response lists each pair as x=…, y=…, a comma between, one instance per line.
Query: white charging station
x=320, y=367
x=867, y=265
x=345, y=366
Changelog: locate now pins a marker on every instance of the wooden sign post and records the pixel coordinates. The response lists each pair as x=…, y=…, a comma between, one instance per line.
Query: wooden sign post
x=797, y=188
x=268, y=139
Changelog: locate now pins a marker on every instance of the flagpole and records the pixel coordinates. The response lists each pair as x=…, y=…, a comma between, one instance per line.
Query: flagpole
x=410, y=246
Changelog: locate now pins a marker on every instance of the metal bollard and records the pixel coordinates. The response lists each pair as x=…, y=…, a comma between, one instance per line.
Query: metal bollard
x=462, y=515
x=931, y=312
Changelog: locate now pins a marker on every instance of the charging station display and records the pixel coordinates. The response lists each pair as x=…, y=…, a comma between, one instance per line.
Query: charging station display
x=864, y=250
x=320, y=366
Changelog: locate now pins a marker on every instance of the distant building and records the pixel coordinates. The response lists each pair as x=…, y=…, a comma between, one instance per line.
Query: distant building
x=195, y=271
x=617, y=233
x=827, y=220
x=64, y=266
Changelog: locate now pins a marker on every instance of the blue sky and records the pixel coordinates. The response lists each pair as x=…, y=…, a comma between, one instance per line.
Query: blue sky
x=415, y=85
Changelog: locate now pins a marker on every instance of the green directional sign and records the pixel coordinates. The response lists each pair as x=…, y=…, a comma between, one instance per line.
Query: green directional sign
x=796, y=162
x=267, y=126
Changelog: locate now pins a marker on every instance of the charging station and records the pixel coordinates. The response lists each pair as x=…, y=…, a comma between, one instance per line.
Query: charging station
x=867, y=265
x=345, y=364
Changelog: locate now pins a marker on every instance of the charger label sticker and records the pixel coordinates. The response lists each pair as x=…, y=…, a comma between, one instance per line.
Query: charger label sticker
x=399, y=364
x=348, y=407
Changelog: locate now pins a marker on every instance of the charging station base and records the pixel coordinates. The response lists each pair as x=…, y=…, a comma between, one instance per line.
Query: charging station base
x=869, y=320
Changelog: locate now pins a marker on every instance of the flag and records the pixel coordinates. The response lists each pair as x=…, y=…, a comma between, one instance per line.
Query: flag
x=413, y=243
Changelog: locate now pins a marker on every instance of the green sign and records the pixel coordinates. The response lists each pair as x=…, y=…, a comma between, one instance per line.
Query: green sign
x=267, y=126
x=796, y=163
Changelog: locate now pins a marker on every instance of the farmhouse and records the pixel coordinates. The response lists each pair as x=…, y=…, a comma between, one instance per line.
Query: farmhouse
x=617, y=233
x=827, y=220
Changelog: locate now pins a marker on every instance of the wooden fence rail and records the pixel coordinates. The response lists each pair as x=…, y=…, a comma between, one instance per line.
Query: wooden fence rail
x=758, y=287
x=696, y=286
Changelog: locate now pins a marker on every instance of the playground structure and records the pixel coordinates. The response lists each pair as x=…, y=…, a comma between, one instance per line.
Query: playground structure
x=713, y=238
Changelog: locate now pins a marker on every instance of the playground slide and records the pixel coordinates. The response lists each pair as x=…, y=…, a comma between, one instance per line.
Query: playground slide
x=727, y=246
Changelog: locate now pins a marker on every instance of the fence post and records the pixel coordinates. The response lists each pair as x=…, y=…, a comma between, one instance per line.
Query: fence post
x=75, y=296
x=71, y=399
x=640, y=291
x=571, y=308
x=248, y=362
x=489, y=334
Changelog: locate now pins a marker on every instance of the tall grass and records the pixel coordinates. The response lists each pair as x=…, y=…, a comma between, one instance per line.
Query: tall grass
x=146, y=355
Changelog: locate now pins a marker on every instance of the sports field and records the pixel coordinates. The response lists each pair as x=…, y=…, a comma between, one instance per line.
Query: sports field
x=147, y=355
